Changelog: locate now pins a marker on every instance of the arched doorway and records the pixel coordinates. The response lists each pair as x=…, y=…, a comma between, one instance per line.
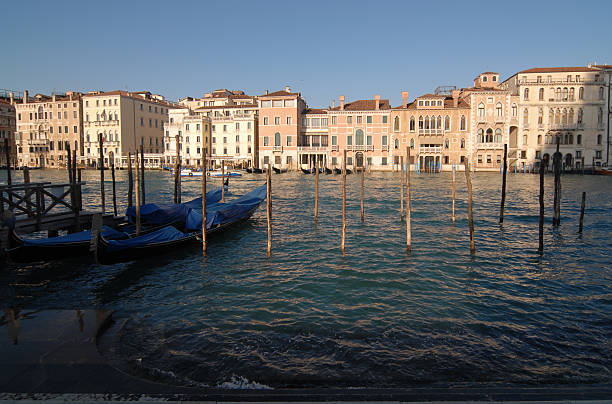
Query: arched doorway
x=359, y=160
x=569, y=161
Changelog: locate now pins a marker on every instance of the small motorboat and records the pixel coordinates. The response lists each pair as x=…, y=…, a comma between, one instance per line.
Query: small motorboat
x=226, y=174
x=603, y=171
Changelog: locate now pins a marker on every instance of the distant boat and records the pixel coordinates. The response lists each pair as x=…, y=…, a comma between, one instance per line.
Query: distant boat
x=220, y=217
x=311, y=170
x=279, y=170
x=603, y=171
x=226, y=174
x=328, y=171
x=339, y=171
x=254, y=170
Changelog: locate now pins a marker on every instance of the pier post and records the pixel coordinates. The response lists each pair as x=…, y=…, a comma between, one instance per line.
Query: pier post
x=177, y=173
x=80, y=190
x=470, y=215
x=137, y=194
x=503, y=195
x=223, y=180
x=101, y=141
x=582, y=212
x=8, y=171
x=408, y=203
x=541, y=200
x=114, y=189
x=316, y=201
x=142, y=171
x=343, y=202
x=557, y=157
x=204, y=203
x=402, y=188
x=362, y=190
x=130, y=180
x=26, y=182
x=453, y=195
x=269, y=207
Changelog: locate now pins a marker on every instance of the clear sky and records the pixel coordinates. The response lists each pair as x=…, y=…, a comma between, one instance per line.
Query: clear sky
x=321, y=48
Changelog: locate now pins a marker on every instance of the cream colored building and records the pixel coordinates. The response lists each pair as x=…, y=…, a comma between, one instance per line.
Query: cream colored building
x=45, y=125
x=126, y=121
x=193, y=132
x=8, y=127
x=568, y=104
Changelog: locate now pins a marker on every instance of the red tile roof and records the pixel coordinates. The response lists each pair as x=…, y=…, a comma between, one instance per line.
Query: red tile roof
x=314, y=111
x=279, y=93
x=364, y=105
x=559, y=69
x=205, y=107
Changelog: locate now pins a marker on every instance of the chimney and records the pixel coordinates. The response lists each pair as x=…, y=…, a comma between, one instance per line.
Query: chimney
x=267, y=92
x=377, y=98
x=53, y=97
x=25, y=96
x=287, y=89
x=341, y=103
x=455, y=95
x=12, y=97
x=333, y=103
x=404, y=99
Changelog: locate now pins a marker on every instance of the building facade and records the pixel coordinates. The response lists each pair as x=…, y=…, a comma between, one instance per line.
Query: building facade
x=194, y=137
x=8, y=127
x=46, y=125
x=126, y=120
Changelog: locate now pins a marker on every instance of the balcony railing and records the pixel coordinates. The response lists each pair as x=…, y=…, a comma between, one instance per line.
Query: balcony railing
x=430, y=149
x=560, y=81
x=334, y=147
x=360, y=148
x=566, y=126
x=489, y=146
x=101, y=123
x=431, y=132
x=313, y=148
x=277, y=148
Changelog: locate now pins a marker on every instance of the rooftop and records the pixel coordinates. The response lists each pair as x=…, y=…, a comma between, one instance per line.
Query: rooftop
x=364, y=105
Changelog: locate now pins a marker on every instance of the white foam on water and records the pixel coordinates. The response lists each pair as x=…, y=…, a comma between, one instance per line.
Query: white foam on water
x=239, y=382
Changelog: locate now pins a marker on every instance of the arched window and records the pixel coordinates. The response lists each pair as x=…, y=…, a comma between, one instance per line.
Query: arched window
x=396, y=124
x=580, y=115
x=541, y=94
x=601, y=93
x=397, y=143
x=446, y=143
x=427, y=122
x=499, y=111
x=558, y=116
x=581, y=93
x=489, y=138
x=571, y=139
x=600, y=116
x=564, y=117
x=526, y=94
x=277, y=139
x=481, y=110
x=462, y=143
x=566, y=139
x=539, y=139
x=540, y=116
x=359, y=137
x=551, y=116
x=514, y=110
x=498, y=136
x=412, y=124
x=570, y=116
x=462, y=125
x=525, y=115
x=439, y=122
x=571, y=94
x=447, y=122
x=412, y=143
x=578, y=139
x=565, y=93
x=558, y=94
x=421, y=122
x=480, y=136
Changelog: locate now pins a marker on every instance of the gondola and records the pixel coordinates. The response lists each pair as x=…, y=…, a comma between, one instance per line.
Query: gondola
x=339, y=171
x=279, y=170
x=306, y=170
x=328, y=171
x=219, y=217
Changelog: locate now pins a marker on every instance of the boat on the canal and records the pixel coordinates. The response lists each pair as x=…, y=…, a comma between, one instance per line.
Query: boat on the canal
x=279, y=170
x=226, y=174
x=603, y=170
x=254, y=170
x=219, y=218
x=339, y=171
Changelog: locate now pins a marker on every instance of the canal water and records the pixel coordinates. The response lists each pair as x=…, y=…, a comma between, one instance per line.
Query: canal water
x=309, y=316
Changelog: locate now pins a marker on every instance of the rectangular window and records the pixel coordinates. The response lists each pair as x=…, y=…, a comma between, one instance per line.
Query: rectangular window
x=349, y=161
x=266, y=120
x=224, y=128
x=214, y=140
x=75, y=129
x=334, y=120
x=480, y=159
x=224, y=139
x=349, y=140
x=277, y=120
x=213, y=128
x=334, y=161
x=277, y=159
x=289, y=141
x=74, y=114
x=384, y=119
x=289, y=120
x=359, y=118
x=369, y=119
x=51, y=129
x=289, y=103
x=266, y=141
x=266, y=160
x=277, y=103
x=237, y=126
x=349, y=119
x=384, y=140
x=598, y=154
x=141, y=121
x=334, y=140
x=488, y=159
x=59, y=129
x=248, y=125
x=197, y=126
x=369, y=140
x=384, y=161
x=266, y=104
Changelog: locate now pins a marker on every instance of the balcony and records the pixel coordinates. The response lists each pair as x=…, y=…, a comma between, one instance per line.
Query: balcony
x=566, y=126
x=277, y=148
x=334, y=147
x=313, y=148
x=431, y=132
x=489, y=146
x=360, y=148
x=500, y=119
x=430, y=149
x=98, y=124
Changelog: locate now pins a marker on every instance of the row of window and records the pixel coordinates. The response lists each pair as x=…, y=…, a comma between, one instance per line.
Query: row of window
x=75, y=129
x=432, y=103
x=214, y=129
x=48, y=115
x=562, y=94
x=561, y=116
x=278, y=103
x=429, y=123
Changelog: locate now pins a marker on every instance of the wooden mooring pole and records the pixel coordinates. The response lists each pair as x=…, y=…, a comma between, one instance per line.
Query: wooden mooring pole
x=223, y=180
x=269, y=207
x=541, y=200
x=114, y=189
x=470, y=215
x=362, y=190
x=557, y=163
x=402, y=188
x=582, y=212
x=453, y=195
x=101, y=166
x=9, y=182
x=142, y=171
x=503, y=195
x=137, y=194
x=408, y=203
x=26, y=182
x=316, y=201
x=343, y=202
x=130, y=180
x=177, y=173
x=204, y=203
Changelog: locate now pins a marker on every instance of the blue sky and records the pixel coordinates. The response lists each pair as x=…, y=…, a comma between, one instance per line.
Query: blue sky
x=320, y=48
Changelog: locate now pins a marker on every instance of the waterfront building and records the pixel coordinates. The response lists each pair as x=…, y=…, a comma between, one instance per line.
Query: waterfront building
x=565, y=104
x=45, y=126
x=313, y=143
x=8, y=127
x=126, y=121
x=194, y=135
x=280, y=115
x=362, y=128
x=233, y=117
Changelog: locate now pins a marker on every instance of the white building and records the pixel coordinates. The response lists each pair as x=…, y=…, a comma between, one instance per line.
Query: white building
x=193, y=133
